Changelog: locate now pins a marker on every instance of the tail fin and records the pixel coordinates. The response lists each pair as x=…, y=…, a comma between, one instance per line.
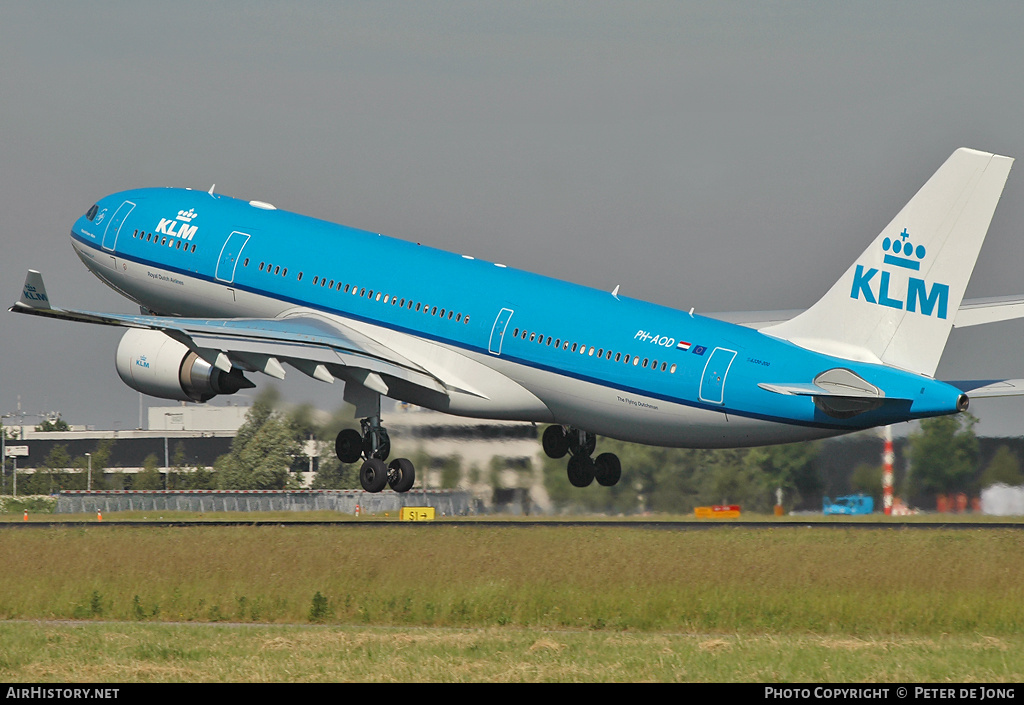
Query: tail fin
x=897, y=302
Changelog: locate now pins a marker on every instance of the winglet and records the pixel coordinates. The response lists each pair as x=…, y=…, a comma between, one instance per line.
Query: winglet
x=33, y=294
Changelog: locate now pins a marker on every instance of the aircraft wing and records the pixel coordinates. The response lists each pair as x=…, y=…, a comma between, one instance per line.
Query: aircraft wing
x=972, y=312
x=314, y=345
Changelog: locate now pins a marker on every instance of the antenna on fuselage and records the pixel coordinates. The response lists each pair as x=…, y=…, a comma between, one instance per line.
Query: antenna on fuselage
x=211, y=189
x=615, y=291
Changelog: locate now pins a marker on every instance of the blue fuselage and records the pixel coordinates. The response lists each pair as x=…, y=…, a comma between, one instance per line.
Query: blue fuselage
x=611, y=364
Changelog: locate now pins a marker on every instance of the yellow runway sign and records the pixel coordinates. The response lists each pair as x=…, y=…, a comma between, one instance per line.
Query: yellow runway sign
x=718, y=511
x=416, y=514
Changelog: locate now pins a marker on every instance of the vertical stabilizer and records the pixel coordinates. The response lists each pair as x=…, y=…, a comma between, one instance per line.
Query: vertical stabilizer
x=897, y=302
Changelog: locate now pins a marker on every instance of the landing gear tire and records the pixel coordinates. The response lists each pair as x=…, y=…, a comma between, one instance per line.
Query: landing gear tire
x=349, y=446
x=607, y=469
x=555, y=442
x=401, y=474
x=373, y=476
x=581, y=470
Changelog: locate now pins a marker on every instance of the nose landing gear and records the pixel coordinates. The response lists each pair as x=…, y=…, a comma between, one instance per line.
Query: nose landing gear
x=582, y=469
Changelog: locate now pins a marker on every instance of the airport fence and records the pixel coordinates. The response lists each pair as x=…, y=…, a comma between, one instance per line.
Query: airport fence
x=355, y=502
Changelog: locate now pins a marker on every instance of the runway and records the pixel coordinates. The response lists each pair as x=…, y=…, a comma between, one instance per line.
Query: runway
x=548, y=523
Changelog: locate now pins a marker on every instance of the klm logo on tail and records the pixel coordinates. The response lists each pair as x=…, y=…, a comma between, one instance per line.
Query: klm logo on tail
x=920, y=298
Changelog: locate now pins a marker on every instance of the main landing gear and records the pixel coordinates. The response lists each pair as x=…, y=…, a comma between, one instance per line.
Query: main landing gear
x=374, y=445
x=582, y=469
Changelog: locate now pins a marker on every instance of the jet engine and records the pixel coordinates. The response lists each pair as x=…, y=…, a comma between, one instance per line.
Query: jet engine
x=155, y=364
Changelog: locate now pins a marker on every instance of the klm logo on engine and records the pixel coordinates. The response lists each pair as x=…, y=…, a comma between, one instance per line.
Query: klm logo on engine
x=180, y=226
x=141, y=361
x=875, y=286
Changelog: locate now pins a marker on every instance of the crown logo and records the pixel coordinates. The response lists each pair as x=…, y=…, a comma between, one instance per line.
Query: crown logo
x=187, y=216
x=902, y=252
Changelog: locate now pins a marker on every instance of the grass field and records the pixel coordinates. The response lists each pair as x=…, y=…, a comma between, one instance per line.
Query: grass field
x=463, y=603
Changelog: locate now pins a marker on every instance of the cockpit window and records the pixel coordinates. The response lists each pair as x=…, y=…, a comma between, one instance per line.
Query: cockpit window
x=92, y=212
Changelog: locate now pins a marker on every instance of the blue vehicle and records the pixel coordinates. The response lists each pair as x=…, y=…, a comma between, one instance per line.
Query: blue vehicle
x=851, y=504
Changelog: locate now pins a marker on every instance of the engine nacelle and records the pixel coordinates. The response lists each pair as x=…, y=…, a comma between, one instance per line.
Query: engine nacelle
x=151, y=362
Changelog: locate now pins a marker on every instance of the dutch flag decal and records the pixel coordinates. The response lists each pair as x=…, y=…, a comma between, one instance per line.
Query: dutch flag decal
x=683, y=345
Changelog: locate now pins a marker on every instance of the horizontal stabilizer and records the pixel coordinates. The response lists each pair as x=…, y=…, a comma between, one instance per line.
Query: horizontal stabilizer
x=837, y=382
x=813, y=390
x=982, y=389
x=975, y=312
x=839, y=392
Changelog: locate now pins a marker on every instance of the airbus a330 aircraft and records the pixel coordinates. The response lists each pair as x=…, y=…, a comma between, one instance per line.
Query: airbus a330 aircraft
x=229, y=287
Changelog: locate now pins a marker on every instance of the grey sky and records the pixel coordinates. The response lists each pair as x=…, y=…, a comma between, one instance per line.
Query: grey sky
x=726, y=156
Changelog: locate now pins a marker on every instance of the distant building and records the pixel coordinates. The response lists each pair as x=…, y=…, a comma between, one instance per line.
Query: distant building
x=196, y=417
x=498, y=461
